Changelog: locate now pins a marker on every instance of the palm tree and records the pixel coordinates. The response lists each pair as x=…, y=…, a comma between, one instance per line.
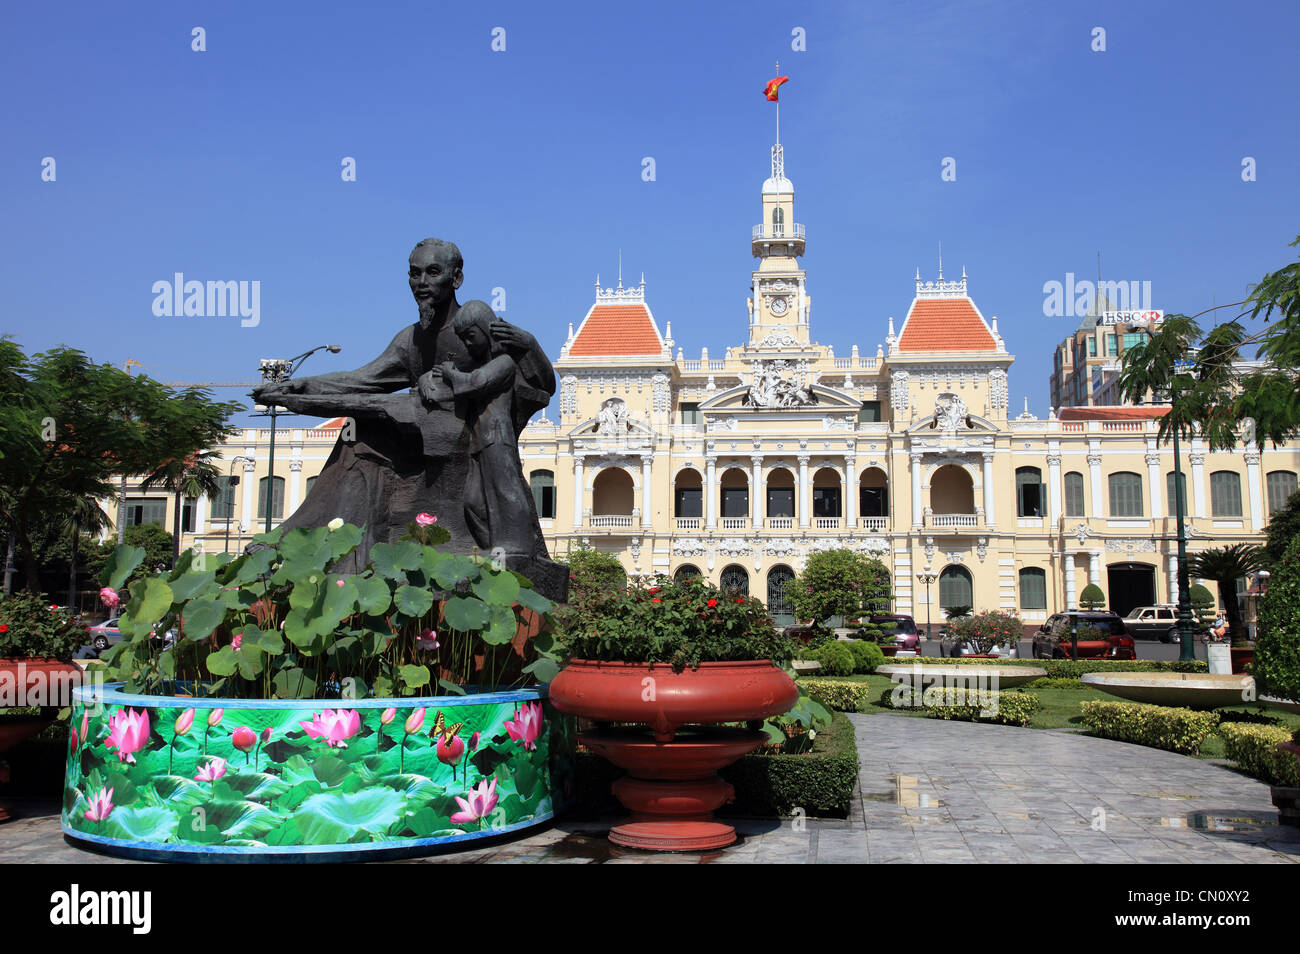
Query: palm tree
x=85, y=516
x=1225, y=566
x=193, y=477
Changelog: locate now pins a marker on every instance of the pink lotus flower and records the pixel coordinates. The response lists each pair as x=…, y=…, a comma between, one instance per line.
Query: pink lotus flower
x=85, y=727
x=183, y=722
x=266, y=735
x=425, y=519
x=388, y=716
x=212, y=771
x=527, y=725
x=74, y=741
x=414, y=721
x=243, y=738
x=473, y=741
x=101, y=806
x=237, y=641
x=214, y=717
x=428, y=641
x=450, y=750
x=108, y=596
x=128, y=732
x=482, y=800
x=335, y=727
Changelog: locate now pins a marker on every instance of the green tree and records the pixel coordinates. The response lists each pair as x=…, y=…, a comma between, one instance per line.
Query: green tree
x=1225, y=566
x=71, y=426
x=596, y=582
x=189, y=477
x=1277, y=648
x=1283, y=527
x=839, y=583
x=1216, y=396
x=1203, y=605
x=1092, y=598
x=154, y=540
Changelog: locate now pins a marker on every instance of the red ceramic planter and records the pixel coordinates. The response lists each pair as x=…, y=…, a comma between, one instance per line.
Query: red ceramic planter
x=672, y=786
x=21, y=676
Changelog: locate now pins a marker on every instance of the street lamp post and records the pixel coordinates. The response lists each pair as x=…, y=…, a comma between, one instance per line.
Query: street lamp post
x=277, y=371
x=231, y=482
x=1186, y=626
x=925, y=579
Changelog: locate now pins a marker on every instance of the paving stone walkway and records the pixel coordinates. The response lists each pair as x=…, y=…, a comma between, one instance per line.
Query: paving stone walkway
x=935, y=792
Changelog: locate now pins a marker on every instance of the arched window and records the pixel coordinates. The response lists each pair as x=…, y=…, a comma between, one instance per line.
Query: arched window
x=734, y=579
x=311, y=482
x=1171, y=489
x=613, y=493
x=778, y=604
x=223, y=504
x=277, y=502
x=1029, y=492
x=778, y=219
x=688, y=494
x=686, y=572
x=1225, y=494
x=1033, y=588
x=1125, y=495
x=1281, y=485
x=955, y=588
x=542, y=483
x=1074, y=494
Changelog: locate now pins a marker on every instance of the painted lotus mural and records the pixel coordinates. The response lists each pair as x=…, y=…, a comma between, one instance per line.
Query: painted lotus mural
x=265, y=778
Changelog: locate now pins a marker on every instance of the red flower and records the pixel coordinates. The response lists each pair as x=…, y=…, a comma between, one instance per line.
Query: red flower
x=713, y=603
x=656, y=600
x=740, y=599
x=4, y=627
x=654, y=590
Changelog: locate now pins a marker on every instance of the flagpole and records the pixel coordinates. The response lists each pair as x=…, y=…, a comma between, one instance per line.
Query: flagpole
x=778, y=107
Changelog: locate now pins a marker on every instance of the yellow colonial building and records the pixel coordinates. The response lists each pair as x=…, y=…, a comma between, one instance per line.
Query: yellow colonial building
x=738, y=466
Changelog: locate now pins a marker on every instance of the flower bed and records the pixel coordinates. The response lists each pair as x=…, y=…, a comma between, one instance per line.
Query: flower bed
x=170, y=778
x=1161, y=727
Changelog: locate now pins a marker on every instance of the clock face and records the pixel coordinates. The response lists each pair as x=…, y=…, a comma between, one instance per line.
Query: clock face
x=779, y=306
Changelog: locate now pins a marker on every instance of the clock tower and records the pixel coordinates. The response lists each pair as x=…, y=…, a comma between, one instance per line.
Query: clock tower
x=778, y=310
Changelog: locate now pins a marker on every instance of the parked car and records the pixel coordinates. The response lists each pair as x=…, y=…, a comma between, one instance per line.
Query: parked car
x=904, y=629
x=103, y=635
x=1153, y=622
x=1100, y=635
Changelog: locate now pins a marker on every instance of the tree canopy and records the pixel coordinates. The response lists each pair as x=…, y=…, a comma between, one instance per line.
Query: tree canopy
x=839, y=583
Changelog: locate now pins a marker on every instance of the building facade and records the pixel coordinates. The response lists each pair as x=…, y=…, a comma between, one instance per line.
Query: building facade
x=738, y=466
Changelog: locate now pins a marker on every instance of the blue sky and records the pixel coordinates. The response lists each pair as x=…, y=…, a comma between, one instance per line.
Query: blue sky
x=225, y=164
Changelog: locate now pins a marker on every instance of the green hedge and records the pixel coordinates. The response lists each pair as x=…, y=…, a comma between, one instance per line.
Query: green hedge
x=1073, y=669
x=840, y=696
x=1161, y=727
x=819, y=782
x=836, y=657
x=1057, y=682
x=1010, y=707
x=1254, y=749
x=866, y=656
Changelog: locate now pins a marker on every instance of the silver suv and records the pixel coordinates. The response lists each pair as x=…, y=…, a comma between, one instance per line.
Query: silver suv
x=1153, y=622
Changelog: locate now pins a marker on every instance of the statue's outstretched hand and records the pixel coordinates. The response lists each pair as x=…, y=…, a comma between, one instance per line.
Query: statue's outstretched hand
x=267, y=393
x=428, y=385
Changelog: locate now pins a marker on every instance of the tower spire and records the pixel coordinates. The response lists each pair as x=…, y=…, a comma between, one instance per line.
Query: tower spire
x=941, y=260
x=620, y=268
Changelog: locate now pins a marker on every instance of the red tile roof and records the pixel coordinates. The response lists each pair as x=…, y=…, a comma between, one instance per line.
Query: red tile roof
x=334, y=423
x=1111, y=413
x=616, y=330
x=945, y=324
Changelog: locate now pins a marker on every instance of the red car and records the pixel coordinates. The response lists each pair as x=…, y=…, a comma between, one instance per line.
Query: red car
x=903, y=631
x=1098, y=636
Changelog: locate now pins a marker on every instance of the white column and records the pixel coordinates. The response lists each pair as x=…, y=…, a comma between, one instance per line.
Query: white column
x=711, y=492
x=756, y=489
x=201, y=515
x=1055, y=491
x=851, y=492
x=578, y=480
x=805, y=493
x=647, y=515
x=295, y=486
x=1070, y=591
x=1198, y=482
x=990, y=492
x=1094, y=568
x=916, y=490
x=1097, y=504
x=1172, y=564
x=249, y=516
x=1257, y=516
x=1153, y=486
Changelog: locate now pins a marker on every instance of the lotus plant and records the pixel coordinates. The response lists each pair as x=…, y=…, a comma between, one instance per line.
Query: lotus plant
x=334, y=726
x=101, y=806
x=481, y=803
x=244, y=739
x=526, y=725
x=181, y=728
x=213, y=770
x=414, y=722
x=214, y=720
x=128, y=732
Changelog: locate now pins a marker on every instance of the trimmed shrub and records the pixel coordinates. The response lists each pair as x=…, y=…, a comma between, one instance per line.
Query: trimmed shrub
x=1254, y=749
x=1007, y=708
x=988, y=629
x=1057, y=682
x=1074, y=668
x=1160, y=727
x=1277, y=646
x=1092, y=598
x=866, y=655
x=835, y=656
x=840, y=696
x=820, y=782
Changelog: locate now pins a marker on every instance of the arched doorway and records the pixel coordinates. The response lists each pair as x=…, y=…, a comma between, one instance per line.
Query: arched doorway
x=613, y=493
x=780, y=494
x=956, y=588
x=952, y=491
x=688, y=498
x=873, y=493
x=686, y=572
x=734, y=492
x=826, y=497
x=778, y=604
x=1130, y=585
x=734, y=579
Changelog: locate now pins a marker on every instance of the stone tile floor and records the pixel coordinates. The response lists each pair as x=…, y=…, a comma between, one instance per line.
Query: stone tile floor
x=934, y=792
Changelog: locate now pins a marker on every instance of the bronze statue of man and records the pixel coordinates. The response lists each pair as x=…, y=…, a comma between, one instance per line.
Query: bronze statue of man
x=411, y=451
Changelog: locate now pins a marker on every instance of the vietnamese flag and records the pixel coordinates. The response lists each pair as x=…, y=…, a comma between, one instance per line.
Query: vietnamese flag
x=770, y=90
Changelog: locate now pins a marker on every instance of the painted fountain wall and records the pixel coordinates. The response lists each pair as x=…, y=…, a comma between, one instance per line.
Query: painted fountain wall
x=197, y=779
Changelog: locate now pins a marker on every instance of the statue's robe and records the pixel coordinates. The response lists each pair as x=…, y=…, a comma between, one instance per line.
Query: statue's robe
x=408, y=457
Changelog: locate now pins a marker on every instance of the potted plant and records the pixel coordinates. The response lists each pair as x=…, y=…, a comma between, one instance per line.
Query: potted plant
x=37, y=642
x=308, y=713
x=987, y=630
x=682, y=659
